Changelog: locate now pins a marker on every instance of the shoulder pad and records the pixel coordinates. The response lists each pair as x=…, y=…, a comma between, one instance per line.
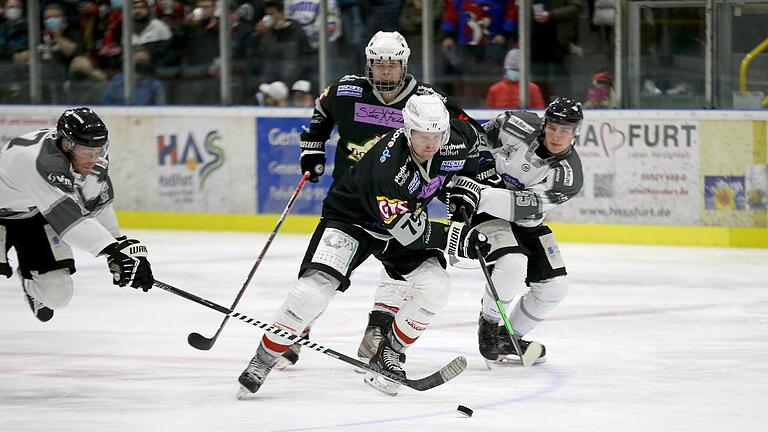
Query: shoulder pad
x=519, y=126
x=54, y=167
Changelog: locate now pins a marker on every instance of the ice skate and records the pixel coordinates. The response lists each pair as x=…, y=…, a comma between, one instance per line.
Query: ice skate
x=385, y=359
x=488, y=339
x=255, y=373
x=377, y=323
x=290, y=357
x=533, y=352
x=42, y=312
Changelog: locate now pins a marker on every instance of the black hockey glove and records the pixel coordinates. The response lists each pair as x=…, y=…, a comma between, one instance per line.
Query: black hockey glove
x=461, y=241
x=312, y=160
x=465, y=193
x=5, y=269
x=486, y=172
x=127, y=260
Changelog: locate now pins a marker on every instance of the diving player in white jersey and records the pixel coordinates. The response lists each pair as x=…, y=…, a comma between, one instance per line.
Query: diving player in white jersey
x=528, y=166
x=55, y=192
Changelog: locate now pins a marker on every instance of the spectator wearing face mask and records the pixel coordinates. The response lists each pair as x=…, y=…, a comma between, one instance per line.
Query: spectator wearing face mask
x=506, y=93
x=61, y=42
x=13, y=34
x=84, y=84
x=148, y=31
x=148, y=89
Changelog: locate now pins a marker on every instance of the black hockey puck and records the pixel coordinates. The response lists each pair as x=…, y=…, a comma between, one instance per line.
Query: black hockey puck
x=464, y=410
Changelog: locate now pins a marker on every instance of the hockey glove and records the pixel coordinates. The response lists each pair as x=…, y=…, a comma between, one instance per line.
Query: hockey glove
x=461, y=241
x=486, y=172
x=5, y=269
x=312, y=160
x=127, y=260
x=465, y=193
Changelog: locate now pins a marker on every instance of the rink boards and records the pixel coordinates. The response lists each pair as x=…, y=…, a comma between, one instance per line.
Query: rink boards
x=651, y=177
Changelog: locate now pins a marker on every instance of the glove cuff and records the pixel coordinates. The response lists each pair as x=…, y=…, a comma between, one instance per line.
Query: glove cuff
x=312, y=145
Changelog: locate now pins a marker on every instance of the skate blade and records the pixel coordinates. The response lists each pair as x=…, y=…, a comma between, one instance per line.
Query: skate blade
x=514, y=360
x=283, y=363
x=245, y=394
x=382, y=384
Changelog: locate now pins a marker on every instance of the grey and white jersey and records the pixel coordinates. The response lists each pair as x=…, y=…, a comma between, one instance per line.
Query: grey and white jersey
x=36, y=176
x=534, y=180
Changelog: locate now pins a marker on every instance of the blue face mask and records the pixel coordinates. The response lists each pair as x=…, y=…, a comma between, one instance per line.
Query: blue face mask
x=116, y=4
x=512, y=75
x=53, y=23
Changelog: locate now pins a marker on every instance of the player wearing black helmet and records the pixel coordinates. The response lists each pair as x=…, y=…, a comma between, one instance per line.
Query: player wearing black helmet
x=530, y=167
x=55, y=192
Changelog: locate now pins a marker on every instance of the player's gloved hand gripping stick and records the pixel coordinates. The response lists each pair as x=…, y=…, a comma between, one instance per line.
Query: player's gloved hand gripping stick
x=203, y=343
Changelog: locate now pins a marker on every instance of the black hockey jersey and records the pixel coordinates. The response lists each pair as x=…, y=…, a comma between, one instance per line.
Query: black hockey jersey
x=361, y=116
x=387, y=192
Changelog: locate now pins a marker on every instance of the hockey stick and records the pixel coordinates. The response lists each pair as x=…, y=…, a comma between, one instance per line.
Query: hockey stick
x=530, y=355
x=203, y=343
x=445, y=374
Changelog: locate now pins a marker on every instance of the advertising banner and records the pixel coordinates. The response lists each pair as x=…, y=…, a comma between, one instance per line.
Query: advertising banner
x=637, y=172
x=278, y=169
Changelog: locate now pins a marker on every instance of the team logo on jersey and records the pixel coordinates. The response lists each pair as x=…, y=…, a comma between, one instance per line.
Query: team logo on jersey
x=378, y=115
x=526, y=167
x=414, y=184
x=451, y=149
x=389, y=208
x=452, y=165
x=349, y=90
x=357, y=151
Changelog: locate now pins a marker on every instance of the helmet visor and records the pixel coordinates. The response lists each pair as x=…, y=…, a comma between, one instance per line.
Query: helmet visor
x=88, y=153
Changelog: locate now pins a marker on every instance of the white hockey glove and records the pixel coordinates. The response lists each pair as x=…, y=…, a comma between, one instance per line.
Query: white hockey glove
x=127, y=260
x=465, y=193
x=461, y=241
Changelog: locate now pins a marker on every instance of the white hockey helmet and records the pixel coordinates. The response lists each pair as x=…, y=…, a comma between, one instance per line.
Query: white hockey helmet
x=426, y=113
x=387, y=46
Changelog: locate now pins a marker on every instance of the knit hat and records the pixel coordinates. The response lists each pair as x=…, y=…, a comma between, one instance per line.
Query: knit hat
x=512, y=59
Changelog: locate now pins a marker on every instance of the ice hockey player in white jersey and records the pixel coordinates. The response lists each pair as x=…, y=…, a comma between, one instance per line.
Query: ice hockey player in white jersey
x=528, y=168
x=55, y=192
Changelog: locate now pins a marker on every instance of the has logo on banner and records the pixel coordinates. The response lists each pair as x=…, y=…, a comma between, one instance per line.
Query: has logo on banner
x=190, y=158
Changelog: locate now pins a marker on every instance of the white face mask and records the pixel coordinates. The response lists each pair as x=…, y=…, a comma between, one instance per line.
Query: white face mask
x=512, y=75
x=12, y=14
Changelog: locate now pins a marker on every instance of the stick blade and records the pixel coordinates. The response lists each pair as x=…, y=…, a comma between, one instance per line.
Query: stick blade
x=198, y=341
x=445, y=374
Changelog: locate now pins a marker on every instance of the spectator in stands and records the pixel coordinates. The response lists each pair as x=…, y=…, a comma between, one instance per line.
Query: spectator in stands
x=601, y=94
x=279, y=47
x=92, y=24
x=61, y=41
x=110, y=54
x=301, y=94
x=148, y=31
x=554, y=28
x=84, y=84
x=353, y=36
x=505, y=94
x=14, y=40
x=410, y=28
x=474, y=40
x=273, y=94
x=382, y=15
x=201, y=37
x=306, y=13
x=148, y=90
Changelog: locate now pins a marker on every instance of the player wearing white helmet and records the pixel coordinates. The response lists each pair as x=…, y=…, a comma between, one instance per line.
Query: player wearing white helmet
x=379, y=208
x=364, y=108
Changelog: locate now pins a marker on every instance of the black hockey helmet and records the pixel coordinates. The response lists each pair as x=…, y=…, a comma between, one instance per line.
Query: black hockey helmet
x=564, y=111
x=81, y=126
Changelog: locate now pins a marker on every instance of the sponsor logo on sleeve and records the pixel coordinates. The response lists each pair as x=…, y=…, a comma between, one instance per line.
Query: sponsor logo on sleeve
x=452, y=165
x=414, y=184
x=521, y=124
x=58, y=179
x=567, y=173
x=349, y=90
x=402, y=175
x=389, y=208
x=384, y=155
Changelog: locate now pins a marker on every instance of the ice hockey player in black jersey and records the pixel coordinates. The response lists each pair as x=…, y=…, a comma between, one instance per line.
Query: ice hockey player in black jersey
x=365, y=108
x=379, y=208
x=55, y=192
x=529, y=167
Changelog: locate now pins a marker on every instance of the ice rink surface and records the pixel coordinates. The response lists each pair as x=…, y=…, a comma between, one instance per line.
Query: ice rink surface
x=648, y=339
